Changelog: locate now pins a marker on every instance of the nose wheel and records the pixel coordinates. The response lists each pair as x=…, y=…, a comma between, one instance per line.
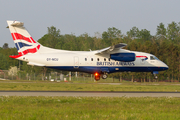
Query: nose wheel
x=155, y=75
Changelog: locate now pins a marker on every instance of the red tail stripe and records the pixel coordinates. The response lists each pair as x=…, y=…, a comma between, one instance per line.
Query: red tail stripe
x=38, y=47
x=12, y=36
x=17, y=36
x=32, y=40
x=19, y=53
x=32, y=50
x=15, y=56
x=25, y=52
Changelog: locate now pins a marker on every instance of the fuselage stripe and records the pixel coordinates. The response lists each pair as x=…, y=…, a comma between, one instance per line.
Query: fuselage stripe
x=141, y=56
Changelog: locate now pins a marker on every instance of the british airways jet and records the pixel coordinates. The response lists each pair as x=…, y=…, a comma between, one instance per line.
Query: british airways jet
x=99, y=62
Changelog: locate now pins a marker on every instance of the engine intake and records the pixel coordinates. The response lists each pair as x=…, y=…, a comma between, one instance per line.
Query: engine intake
x=125, y=57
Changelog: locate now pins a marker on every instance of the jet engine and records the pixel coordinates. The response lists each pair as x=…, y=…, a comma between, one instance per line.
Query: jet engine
x=125, y=57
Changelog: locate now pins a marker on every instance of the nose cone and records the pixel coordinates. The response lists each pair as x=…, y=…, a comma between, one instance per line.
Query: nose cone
x=165, y=67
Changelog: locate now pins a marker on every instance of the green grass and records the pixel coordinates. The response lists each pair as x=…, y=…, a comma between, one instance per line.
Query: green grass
x=88, y=108
x=97, y=86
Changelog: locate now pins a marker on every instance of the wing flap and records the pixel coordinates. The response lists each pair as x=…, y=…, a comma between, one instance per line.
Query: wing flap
x=120, y=45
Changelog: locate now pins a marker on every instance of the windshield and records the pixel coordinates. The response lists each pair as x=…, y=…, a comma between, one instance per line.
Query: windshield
x=153, y=58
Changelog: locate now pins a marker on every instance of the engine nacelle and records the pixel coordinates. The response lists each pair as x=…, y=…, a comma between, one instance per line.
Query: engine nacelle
x=125, y=57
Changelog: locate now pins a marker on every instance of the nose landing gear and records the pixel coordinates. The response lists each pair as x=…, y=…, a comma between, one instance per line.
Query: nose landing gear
x=155, y=74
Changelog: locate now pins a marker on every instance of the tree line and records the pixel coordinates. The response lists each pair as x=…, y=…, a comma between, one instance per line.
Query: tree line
x=165, y=45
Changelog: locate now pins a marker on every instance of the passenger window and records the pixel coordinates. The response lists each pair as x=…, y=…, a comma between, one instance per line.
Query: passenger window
x=97, y=59
x=104, y=59
x=91, y=59
x=85, y=59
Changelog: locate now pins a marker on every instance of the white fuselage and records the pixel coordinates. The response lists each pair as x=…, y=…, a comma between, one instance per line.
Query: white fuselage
x=87, y=61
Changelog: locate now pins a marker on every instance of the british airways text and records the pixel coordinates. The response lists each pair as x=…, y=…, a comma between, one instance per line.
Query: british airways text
x=115, y=63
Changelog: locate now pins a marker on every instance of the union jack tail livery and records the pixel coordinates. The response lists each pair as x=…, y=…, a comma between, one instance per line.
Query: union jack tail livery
x=22, y=39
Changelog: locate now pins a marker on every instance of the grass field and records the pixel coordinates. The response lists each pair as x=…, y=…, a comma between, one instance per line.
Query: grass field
x=90, y=86
x=88, y=108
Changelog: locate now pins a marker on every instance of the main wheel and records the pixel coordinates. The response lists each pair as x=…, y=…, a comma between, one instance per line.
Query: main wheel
x=104, y=76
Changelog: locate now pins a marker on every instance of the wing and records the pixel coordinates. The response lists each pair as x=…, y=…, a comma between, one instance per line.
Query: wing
x=111, y=48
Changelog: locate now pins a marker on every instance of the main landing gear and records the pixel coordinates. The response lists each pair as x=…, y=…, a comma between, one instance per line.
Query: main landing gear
x=104, y=76
x=97, y=76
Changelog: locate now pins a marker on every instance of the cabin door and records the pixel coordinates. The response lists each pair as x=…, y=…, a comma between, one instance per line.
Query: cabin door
x=76, y=62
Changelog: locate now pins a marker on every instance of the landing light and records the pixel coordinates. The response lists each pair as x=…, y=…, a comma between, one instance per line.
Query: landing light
x=96, y=74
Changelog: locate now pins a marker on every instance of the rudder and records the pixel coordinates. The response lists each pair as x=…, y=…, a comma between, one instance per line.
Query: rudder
x=23, y=41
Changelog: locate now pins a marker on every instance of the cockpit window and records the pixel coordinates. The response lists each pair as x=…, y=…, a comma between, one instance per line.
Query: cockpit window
x=153, y=58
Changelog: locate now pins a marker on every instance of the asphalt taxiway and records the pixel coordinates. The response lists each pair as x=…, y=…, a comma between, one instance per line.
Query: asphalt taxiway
x=89, y=94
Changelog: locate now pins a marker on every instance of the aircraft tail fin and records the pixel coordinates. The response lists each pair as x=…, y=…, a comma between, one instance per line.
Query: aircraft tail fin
x=23, y=41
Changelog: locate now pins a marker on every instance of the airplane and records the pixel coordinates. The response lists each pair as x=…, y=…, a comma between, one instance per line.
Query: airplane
x=99, y=62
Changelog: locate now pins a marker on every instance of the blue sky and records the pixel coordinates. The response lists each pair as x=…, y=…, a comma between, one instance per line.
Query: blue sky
x=86, y=16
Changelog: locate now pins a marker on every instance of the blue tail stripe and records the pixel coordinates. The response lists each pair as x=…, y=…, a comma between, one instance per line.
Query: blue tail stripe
x=16, y=46
x=23, y=44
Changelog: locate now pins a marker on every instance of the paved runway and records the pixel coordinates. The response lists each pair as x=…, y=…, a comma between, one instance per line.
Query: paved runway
x=90, y=93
